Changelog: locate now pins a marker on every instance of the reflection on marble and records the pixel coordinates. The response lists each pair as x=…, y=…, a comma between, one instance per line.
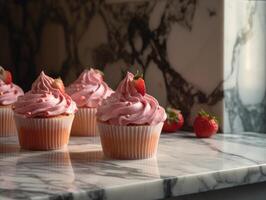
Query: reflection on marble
x=184, y=165
x=245, y=66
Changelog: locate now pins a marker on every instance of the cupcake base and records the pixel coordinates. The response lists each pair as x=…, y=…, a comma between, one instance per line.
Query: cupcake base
x=7, y=123
x=43, y=133
x=129, y=142
x=84, y=123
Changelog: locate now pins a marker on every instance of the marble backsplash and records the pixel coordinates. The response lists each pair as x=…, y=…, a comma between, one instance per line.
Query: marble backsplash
x=245, y=66
x=180, y=45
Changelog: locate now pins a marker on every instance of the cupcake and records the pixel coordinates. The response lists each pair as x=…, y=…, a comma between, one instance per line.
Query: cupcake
x=9, y=92
x=44, y=115
x=130, y=121
x=87, y=91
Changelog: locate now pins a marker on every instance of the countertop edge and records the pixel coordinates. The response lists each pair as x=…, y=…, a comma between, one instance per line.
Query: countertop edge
x=167, y=187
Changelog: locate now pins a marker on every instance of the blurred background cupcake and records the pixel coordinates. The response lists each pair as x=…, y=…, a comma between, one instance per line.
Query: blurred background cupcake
x=87, y=91
x=130, y=121
x=44, y=115
x=9, y=92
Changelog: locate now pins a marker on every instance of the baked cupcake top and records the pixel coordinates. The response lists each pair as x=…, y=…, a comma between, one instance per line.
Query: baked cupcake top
x=130, y=105
x=46, y=98
x=9, y=92
x=89, y=89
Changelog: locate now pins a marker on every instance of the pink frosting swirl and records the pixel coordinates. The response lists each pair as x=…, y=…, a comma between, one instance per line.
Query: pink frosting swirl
x=128, y=107
x=9, y=93
x=89, y=89
x=44, y=100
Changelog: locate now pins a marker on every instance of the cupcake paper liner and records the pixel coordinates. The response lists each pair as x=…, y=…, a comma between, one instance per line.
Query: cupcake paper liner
x=84, y=123
x=43, y=133
x=7, y=123
x=129, y=142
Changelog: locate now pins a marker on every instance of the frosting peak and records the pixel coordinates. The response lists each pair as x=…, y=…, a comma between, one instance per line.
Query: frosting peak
x=43, y=84
x=128, y=107
x=89, y=89
x=9, y=93
x=44, y=100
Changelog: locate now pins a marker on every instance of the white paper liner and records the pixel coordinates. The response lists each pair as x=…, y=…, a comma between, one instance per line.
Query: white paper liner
x=84, y=123
x=7, y=123
x=43, y=133
x=129, y=142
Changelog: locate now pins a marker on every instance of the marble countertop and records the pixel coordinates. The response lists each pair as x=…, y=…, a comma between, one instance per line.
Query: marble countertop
x=184, y=165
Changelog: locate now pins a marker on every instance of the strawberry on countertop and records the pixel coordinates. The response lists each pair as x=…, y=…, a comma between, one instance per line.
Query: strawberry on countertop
x=139, y=83
x=205, y=125
x=174, y=120
x=6, y=75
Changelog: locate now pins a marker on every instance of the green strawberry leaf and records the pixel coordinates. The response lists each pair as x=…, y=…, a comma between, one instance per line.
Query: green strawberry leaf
x=138, y=75
x=171, y=115
x=203, y=113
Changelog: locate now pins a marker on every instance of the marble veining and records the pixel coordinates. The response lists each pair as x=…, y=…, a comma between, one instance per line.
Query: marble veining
x=194, y=53
x=245, y=66
x=175, y=43
x=184, y=165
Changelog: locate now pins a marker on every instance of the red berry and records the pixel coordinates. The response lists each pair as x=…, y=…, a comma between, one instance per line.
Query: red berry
x=7, y=77
x=58, y=84
x=169, y=126
x=174, y=120
x=205, y=125
x=139, y=84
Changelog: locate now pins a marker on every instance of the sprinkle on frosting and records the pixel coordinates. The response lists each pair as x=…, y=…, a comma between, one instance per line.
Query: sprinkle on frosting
x=128, y=107
x=9, y=93
x=89, y=89
x=44, y=100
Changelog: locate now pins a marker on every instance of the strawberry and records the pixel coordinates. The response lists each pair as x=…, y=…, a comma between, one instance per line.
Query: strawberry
x=58, y=84
x=139, y=83
x=8, y=77
x=174, y=120
x=5, y=75
x=205, y=125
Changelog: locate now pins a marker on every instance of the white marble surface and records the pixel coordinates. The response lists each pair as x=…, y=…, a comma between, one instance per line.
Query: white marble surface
x=244, y=66
x=184, y=165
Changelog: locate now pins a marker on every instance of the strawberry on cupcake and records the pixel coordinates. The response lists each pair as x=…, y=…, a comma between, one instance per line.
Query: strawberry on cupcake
x=9, y=93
